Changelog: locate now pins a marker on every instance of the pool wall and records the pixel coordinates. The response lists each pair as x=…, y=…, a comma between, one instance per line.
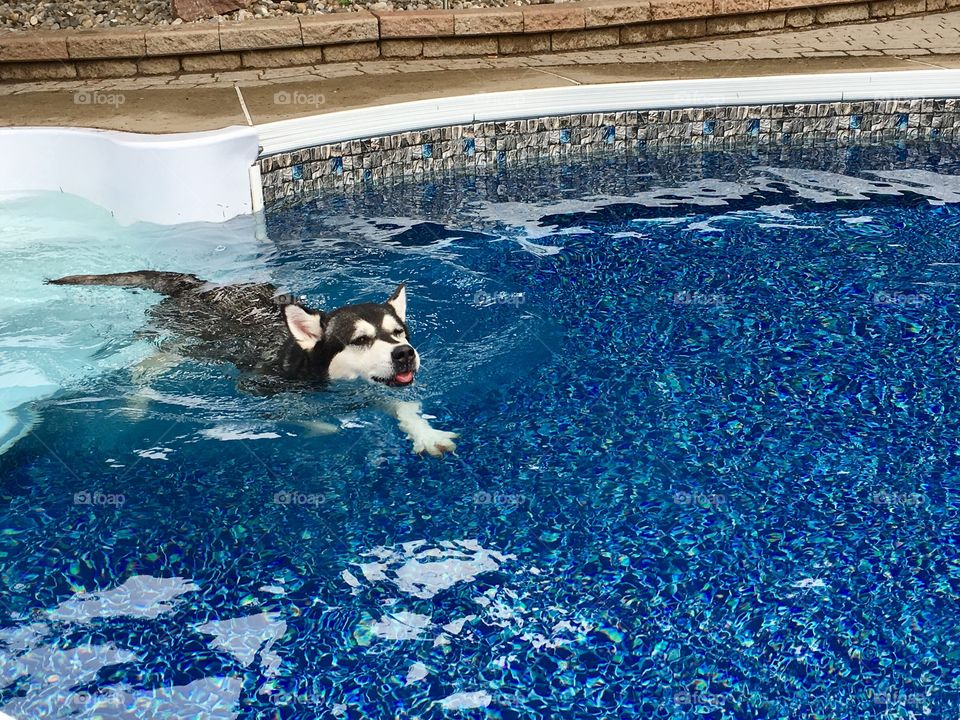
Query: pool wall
x=163, y=179
x=218, y=175
x=472, y=134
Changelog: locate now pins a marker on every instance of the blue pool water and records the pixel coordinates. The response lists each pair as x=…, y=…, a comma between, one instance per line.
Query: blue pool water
x=709, y=458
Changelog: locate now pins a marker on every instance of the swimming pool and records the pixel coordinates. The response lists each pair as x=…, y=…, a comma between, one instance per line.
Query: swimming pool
x=707, y=466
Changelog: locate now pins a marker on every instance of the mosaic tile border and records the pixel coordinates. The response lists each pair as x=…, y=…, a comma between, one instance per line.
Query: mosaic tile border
x=478, y=146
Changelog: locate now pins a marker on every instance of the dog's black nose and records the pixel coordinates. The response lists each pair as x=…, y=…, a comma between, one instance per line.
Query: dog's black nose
x=403, y=355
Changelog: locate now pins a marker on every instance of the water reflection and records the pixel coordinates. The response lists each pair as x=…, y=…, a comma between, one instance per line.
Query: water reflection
x=75, y=660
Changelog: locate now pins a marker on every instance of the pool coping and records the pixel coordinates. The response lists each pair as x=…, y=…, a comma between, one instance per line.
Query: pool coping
x=475, y=133
x=298, y=133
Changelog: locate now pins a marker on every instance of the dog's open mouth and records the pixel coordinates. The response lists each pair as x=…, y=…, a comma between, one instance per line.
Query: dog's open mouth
x=398, y=380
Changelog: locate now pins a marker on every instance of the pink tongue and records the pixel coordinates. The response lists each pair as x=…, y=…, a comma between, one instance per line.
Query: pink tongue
x=403, y=377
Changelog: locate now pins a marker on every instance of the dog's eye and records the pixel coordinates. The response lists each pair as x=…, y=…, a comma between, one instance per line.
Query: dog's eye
x=398, y=332
x=363, y=340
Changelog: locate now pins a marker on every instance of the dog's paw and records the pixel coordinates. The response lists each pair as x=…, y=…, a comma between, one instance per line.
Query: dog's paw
x=434, y=442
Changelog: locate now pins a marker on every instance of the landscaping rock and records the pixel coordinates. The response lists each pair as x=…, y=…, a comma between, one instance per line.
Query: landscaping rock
x=72, y=14
x=191, y=10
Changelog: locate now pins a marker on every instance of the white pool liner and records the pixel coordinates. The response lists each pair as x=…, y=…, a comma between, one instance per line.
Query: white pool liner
x=163, y=179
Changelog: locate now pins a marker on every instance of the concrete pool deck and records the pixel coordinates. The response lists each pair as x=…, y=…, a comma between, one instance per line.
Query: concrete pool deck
x=208, y=101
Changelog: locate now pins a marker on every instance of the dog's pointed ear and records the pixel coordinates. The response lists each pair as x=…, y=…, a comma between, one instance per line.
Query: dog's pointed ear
x=305, y=326
x=398, y=301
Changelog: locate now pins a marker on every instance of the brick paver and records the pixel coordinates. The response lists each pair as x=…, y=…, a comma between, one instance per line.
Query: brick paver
x=933, y=34
x=931, y=40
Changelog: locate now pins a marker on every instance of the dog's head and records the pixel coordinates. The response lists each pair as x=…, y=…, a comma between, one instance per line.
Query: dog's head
x=369, y=341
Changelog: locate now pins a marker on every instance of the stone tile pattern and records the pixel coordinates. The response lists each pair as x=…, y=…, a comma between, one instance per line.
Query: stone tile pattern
x=479, y=146
x=362, y=35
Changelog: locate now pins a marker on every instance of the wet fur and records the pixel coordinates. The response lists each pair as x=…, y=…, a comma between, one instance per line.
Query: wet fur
x=278, y=344
x=241, y=324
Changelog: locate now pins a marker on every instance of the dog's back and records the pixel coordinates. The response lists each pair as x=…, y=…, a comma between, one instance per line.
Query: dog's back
x=165, y=283
x=240, y=324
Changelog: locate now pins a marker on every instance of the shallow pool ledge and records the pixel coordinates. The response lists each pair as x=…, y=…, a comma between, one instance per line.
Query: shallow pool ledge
x=164, y=179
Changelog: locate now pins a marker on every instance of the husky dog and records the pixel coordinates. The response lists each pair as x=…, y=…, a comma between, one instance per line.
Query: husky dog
x=279, y=344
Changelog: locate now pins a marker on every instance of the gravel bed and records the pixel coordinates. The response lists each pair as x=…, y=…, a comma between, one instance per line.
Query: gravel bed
x=114, y=13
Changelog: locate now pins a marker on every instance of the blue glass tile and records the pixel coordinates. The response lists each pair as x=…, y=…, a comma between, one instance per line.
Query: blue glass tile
x=903, y=120
x=709, y=126
x=427, y=151
x=854, y=122
x=470, y=147
x=753, y=126
x=297, y=172
x=609, y=134
x=336, y=165
x=565, y=135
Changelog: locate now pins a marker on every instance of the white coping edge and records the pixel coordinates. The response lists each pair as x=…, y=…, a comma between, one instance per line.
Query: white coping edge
x=298, y=133
x=163, y=179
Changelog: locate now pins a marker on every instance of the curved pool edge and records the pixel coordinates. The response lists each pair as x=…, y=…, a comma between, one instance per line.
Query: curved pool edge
x=298, y=133
x=206, y=176
x=213, y=176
